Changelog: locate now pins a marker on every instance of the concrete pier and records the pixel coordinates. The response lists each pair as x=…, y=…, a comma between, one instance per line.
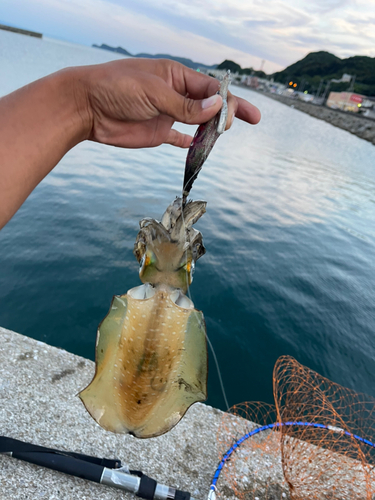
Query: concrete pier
x=21, y=31
x=39, y=404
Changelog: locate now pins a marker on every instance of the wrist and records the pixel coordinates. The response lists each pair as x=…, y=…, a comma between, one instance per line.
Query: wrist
x=73, y=85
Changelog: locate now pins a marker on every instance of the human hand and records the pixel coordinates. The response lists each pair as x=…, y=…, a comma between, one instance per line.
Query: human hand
x=133, y=103
x=130, y=103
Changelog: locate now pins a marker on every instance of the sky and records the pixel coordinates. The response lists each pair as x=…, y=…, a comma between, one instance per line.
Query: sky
x=268, y=34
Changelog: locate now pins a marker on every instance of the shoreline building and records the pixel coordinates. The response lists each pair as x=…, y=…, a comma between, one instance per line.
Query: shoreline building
x=346, y=101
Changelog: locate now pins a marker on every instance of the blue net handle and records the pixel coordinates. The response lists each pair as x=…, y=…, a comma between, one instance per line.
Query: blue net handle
x=272, y=426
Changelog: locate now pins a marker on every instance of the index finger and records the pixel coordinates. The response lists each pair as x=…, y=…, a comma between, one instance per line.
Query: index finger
x=197, y=85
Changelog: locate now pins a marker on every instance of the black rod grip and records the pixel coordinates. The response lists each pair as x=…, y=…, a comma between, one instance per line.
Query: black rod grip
x=14, y=445
x=63, y=463
x=147, y=487
x=182, y=495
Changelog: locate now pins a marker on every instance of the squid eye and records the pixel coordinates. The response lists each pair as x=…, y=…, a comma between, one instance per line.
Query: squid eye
x=147, y=259
x=189, y=268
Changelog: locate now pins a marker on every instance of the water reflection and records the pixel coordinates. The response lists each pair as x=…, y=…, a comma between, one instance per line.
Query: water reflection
x=289, y=232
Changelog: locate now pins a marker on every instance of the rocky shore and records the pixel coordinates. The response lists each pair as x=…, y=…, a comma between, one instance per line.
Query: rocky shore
x=358, y=125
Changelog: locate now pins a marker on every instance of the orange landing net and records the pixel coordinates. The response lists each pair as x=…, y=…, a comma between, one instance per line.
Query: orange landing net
x=315, y=443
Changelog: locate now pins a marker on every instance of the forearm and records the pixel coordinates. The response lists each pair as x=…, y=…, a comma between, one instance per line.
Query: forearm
x=39, y=123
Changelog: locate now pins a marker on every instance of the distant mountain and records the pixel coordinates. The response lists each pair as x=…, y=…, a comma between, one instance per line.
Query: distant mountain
x=120, y=50
x=187, y=62
x=310, y=73
x=236, y=68
x=314, y=64
x=231, y=65
x=318, y=66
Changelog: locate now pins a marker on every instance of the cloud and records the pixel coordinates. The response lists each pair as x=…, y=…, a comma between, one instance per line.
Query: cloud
x=326, y=6
x=209, y=31
x=255, y=23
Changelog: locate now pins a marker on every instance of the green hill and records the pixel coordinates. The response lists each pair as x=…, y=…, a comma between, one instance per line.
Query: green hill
x=309, y=71
x=231, y=65
x=236, y=68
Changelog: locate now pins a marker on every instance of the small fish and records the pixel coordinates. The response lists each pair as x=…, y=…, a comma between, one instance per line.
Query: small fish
x=151, y=349
x=204, y=140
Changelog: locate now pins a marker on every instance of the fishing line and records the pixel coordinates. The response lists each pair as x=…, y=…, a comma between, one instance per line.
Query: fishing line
x=190, y=297
x=218, y=372
x=220, y=127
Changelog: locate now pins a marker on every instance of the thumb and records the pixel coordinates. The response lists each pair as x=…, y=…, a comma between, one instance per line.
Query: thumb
x=183, y=109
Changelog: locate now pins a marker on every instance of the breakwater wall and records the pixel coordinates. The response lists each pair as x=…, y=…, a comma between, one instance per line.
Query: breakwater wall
x=20, y=31
x=39, y=404
x=358, y=125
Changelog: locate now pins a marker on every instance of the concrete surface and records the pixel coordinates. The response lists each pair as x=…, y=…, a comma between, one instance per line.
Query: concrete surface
x=20, y=31
x=38, y=388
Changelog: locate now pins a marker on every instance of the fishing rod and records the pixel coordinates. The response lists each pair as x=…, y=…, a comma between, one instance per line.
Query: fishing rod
x=109, y=472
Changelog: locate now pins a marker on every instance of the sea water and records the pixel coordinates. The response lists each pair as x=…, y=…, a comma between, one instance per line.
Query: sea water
x=289, y=233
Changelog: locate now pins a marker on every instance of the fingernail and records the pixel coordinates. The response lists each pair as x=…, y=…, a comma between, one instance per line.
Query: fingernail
x=210, y=101
x=230, y=122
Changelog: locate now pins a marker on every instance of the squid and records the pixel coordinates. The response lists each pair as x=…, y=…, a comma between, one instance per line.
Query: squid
x=151, y=349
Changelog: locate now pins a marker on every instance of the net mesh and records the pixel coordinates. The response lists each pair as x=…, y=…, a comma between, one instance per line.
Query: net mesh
x=298, y=461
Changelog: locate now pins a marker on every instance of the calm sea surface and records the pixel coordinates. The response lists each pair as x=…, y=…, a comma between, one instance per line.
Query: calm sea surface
x=289, y=232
